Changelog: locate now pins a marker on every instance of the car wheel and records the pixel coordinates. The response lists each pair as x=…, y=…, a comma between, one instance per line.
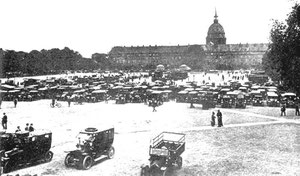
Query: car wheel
x=87, y=162
x=179, y=162
x=69, y=160
x=111, y=152
x=48, y=156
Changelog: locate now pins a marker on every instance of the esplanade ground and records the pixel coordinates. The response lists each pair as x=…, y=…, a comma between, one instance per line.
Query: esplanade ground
x=253, y=141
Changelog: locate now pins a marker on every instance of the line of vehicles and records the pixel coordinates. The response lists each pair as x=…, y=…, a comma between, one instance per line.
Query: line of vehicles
x=118, y=87
x=23, y=149
x=238, y=97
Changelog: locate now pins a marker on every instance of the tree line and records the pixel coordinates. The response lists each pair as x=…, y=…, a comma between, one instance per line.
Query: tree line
x=53, y=61
x=282, y=60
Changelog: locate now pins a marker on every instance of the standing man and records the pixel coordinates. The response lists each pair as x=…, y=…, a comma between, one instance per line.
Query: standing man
x=53, y=101
x=219, y=115
x=213, y=119
x=192, y=102
x=15, y=102
x=283, y=110
x=4, y=121
x=297, y=109
x=154, y=104
x=69, y=101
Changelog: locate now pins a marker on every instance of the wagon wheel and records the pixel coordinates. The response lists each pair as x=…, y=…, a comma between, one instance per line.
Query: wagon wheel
x=48, y=156
x=179, y=162
x=111, y=152
x=87, y=162
x=68, y=160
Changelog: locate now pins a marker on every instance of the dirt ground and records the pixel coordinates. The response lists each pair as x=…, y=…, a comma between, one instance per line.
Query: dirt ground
x=248, y=144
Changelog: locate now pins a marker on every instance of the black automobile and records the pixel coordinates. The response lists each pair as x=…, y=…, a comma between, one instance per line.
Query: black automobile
x=92, y=145
x=23, y=148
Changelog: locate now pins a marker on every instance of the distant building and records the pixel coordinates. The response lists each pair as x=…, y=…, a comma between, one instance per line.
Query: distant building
x=216, y=54
x=216, y=33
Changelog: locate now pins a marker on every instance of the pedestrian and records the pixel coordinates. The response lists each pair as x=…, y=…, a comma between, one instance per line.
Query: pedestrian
x=69, y=101
x=297, y=109
x=283, y=110
x=18, y=129
x=106, y=98
x=213, y=119
x=27, y=127
x=4, y=121
x=154, y=104
x=15, y=102
x=192, y=102
x=31, y=128
x=53, y=101
x=219, y=115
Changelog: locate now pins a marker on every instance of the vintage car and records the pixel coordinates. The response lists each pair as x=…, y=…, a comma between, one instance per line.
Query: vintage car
x=240, y=101
x=92, y=145
x=155, y=97
x=257, y=97
x=289, y=99
x=99, y=95
x=258, y=100
x=208, y=100
x=273, y=99
x=135, y=97
x=227, y=101
x=24, y=148
x=182, y=96
x=165, y=151
x=121, y=98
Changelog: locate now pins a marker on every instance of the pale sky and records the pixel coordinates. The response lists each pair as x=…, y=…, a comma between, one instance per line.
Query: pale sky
x=95, y=26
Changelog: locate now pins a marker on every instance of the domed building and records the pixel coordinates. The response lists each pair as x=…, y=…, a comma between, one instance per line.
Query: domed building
x=215, y=54
x=215, y=34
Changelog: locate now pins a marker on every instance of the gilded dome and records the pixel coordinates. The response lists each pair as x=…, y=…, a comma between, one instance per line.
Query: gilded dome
x=215, y=34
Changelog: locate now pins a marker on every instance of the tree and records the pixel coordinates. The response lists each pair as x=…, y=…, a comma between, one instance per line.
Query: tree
x=2, y=71
x=103, y=60
x=282, y=61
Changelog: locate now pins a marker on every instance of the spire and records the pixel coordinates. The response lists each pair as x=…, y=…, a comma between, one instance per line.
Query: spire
x=216, y=16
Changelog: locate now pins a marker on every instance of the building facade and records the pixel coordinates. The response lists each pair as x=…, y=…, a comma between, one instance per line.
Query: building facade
x=215, y=54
